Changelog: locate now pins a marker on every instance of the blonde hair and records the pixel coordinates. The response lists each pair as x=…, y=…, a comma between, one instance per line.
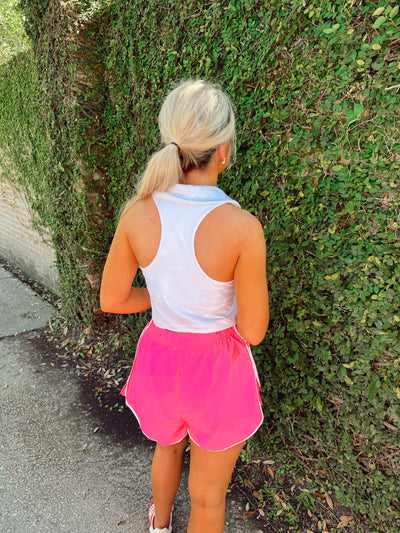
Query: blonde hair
x=195, y=118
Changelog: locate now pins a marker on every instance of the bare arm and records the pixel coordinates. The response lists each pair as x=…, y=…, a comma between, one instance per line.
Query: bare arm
x=116, y=293
x=251, y=283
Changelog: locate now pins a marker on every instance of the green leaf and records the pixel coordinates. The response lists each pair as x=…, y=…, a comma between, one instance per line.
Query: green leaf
x=348, y=380
x=378, y=11
x=319, y=403
x=358, y=109
x=378, y=23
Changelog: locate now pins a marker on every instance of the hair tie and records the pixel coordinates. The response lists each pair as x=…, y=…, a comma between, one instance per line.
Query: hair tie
x=177, y=145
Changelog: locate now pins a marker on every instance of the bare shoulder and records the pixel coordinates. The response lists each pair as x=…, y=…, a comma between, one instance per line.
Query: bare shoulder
x=138, y=214
x=244, y=224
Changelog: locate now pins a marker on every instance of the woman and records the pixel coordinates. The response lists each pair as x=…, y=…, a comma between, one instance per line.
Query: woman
x=203, y=259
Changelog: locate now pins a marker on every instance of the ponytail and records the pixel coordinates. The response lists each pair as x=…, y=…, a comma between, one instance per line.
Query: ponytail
x=162, y=172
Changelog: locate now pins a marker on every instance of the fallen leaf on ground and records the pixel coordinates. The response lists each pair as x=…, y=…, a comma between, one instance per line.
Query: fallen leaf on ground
x=281, y=500
x=329, y=500
x=344, y=520
x=250, y=484
x=122, y=522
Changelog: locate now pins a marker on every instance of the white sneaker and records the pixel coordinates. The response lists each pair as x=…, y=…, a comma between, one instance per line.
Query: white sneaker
x=152, y=514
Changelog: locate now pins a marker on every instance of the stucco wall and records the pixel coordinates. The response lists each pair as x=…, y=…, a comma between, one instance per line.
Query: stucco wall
x=20, y=244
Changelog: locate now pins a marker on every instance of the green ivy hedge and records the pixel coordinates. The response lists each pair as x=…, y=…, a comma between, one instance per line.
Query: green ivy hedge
x=40, y=154
x=316, y=92
x=49, y=106
x=316, y=89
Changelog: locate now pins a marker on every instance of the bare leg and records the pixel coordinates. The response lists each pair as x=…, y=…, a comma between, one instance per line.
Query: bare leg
x=209, y=477
x=166, y=473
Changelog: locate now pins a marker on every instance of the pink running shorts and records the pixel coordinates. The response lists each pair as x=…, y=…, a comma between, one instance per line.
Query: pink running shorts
x=204, y=385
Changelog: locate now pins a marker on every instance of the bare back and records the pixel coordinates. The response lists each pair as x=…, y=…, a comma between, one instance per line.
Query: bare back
x=217, y=240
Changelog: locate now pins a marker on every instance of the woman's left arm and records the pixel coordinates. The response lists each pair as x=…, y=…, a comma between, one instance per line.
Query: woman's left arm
x=116, y=293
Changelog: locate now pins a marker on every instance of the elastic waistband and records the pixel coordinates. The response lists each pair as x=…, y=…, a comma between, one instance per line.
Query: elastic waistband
x=176, y=338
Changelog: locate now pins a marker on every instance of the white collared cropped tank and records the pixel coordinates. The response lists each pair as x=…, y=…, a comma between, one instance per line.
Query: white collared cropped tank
x=183, y=297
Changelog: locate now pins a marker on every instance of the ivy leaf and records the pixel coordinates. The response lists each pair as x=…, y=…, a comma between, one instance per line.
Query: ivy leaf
x=319, y=403
x=358, y=110
x=348, y=380
x=378, y=23
x=378, y=11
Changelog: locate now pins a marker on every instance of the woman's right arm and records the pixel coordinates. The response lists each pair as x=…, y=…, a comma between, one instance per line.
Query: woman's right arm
x=251, y=282
x=116, y=293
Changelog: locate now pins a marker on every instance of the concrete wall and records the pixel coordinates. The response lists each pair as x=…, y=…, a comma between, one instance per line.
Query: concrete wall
x=20, y=244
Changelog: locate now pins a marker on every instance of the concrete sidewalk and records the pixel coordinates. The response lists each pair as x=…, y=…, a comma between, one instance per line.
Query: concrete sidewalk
x=65, y=464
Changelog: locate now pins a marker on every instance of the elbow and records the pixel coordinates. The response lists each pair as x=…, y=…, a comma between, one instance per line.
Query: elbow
x=108, y=301
x=256, y=339
x=254, y=334
x=106, y=305
x=106, y=308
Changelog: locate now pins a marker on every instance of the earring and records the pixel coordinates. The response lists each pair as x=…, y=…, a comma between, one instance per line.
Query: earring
x=223, y=162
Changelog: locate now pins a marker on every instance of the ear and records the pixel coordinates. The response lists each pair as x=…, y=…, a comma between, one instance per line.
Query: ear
x=221, y=152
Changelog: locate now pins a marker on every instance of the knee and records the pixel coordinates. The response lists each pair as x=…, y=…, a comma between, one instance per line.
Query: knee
x=207, y=497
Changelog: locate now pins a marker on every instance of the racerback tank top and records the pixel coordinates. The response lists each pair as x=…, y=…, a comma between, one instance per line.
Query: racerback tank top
x=183, y=297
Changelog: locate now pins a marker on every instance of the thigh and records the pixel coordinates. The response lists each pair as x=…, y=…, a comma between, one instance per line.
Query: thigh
x=210, y=472
x=172, y=449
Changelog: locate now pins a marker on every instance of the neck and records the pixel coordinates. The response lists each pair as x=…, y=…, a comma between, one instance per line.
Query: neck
x=201, y=177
